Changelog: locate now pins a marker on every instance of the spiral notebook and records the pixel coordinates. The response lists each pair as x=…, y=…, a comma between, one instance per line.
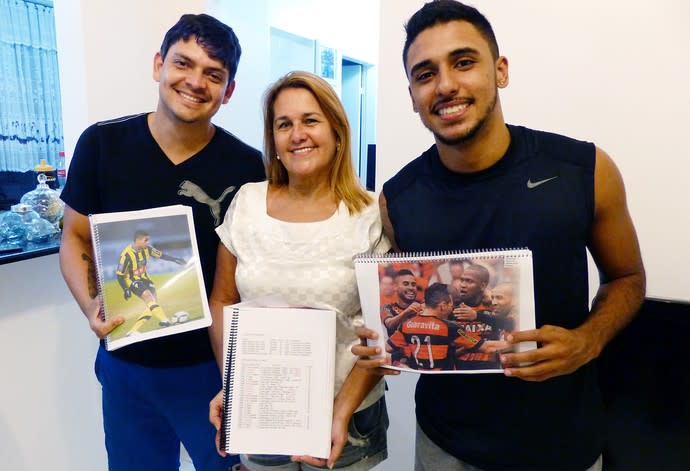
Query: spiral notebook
x=446, y=312
x=148, y=271
x=278, y=371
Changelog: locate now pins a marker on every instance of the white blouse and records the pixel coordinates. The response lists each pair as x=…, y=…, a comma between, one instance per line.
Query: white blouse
x=305, y=264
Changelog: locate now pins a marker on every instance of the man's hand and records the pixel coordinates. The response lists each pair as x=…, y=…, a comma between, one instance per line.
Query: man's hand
x=492, y=346
x=364, y=352
x=464, y=313
x=179, y=261
x=127, y=293
x=561, y=352
x=97, y=323
x=215, y=416
x=411, y=311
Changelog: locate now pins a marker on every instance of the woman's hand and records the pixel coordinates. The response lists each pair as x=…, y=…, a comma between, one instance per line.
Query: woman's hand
x=338, y=442
x=215, y=416
x=369, y=357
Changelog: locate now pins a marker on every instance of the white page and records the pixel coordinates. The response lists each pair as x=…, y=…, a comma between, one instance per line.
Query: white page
x=179, y=288
x=517, y=264
x=282, y=381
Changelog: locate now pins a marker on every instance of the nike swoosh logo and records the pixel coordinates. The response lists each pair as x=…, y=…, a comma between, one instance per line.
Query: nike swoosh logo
x=531, y=184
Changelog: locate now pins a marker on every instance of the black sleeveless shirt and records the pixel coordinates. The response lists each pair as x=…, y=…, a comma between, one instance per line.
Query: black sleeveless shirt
x=539, y=195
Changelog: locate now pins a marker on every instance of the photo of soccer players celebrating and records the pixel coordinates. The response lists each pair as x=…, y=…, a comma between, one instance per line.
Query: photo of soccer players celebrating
x=468, y=307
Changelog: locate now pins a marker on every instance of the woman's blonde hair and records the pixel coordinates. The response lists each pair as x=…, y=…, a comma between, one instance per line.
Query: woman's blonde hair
x=343, y=180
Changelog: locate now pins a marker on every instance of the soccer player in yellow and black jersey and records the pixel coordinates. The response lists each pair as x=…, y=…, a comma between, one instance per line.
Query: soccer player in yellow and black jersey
x=133, y=276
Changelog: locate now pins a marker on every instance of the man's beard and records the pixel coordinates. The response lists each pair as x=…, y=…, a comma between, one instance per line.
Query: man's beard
x=470, y=133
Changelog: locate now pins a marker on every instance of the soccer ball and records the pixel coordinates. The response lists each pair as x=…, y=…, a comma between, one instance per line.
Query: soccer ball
x=180, y=317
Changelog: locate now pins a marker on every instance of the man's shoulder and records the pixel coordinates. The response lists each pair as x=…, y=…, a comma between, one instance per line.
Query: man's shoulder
x=116, y=128
x=121, y=124
x=252, y=192
x=234, y=143
x=411, y=171
x=127, y=249
x=554, y=146
x=122, y=121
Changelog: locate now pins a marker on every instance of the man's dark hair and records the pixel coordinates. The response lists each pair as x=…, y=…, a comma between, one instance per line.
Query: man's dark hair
x=216, y=38
x=404, y=272
x=444, y=11
x=435, y=294
x=140, y=233
x=481, y=270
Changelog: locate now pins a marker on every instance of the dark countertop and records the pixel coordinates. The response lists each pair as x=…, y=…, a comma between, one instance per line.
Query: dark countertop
x=13, y=253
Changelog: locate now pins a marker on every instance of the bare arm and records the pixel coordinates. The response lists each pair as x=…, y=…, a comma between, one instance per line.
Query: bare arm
x=357, y=385
x=615, y=249
x=386, y=222
x=224, y=293
x=393, y=322
x=79, y=271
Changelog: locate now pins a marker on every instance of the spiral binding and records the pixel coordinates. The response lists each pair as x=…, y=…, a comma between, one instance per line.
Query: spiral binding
x=229, y=376
x=96, y=238
x=369, y=257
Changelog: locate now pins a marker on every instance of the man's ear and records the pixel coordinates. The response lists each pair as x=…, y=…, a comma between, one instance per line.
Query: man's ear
x=414, y=104
x=502, y=77
x=228, y=91
x=157, y=65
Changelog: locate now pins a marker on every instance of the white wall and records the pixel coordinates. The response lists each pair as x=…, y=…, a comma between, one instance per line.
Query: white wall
x=252, y=22
x=50, y=416
x=350, y=26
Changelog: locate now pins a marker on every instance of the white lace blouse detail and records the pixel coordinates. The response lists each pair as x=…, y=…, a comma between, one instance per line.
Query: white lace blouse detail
x=304, y=264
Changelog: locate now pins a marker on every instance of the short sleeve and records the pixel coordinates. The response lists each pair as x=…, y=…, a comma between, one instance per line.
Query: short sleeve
x=378, y=241
x=224, y=231
x=81, y=191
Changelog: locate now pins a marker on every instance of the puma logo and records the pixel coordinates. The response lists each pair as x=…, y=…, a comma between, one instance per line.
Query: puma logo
x=191, y=189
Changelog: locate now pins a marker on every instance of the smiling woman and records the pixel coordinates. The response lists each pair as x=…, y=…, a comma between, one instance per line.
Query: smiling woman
x=293, y=238
x=31, y=116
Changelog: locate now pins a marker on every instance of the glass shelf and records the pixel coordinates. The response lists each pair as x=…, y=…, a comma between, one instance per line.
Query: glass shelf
x=14, y=252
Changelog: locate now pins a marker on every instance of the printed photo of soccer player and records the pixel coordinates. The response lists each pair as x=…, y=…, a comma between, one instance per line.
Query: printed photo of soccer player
x=502, y=304
x=427, y=340
x=473, y=313
x=151, y=286
x=133, y=276
x=393, y=314
x=471, y=329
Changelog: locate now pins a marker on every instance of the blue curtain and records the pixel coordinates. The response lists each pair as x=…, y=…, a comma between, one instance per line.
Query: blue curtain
x=30, y=109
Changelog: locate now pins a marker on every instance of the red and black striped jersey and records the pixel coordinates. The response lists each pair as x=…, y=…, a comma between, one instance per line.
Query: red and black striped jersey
x=430, y=343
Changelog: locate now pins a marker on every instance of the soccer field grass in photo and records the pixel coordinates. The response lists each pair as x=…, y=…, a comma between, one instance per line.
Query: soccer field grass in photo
x=181, y=295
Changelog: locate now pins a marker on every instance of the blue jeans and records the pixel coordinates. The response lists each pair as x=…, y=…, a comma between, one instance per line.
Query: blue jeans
x=366, y=445
x=430, y=457
x=147, y=412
